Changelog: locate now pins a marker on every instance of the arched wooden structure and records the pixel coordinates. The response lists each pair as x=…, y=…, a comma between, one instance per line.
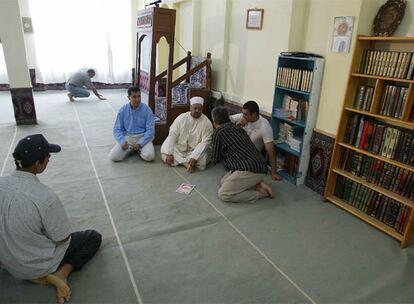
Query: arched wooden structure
x=152, y=24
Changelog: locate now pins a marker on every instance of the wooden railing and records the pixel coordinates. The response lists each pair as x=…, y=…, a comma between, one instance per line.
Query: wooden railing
x=189, y=71
x=176, y=65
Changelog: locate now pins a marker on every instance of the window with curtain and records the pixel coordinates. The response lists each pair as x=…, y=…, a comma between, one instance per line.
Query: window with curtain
x=73, y=35
x=3, y=71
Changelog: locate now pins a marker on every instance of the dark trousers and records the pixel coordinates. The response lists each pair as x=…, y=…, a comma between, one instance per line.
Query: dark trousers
x=83, y=246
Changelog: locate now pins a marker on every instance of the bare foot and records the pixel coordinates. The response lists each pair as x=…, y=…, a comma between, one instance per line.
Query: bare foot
x=63, y=291
x=189, y=168
x=268, y=189
x=59, y=280
x=70, y=95
x=276, y=177
x=262, y=191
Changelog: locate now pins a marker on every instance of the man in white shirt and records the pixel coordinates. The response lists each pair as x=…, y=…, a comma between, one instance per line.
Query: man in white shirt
x=36, y=242
x=259, y=131
x=79, y=84
x=189, y=139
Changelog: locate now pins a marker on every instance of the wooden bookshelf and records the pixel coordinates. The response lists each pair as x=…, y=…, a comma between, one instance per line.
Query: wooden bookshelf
x=379, y=157
x=388, y=104
x=374, y=187
x=377, y=224
x=389, y=120
x=382, y=78
x=388, y=39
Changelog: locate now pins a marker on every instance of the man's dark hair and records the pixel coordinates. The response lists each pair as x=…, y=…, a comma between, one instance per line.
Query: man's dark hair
x=25, y=164
x=220, y=115
x=91, y=71
x=252, y=107
x=133, y=90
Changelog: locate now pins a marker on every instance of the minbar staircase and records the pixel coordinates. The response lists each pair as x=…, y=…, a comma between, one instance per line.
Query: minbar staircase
x=196, y=81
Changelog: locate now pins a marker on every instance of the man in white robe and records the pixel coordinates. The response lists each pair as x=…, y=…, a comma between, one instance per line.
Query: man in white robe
x=189, y=139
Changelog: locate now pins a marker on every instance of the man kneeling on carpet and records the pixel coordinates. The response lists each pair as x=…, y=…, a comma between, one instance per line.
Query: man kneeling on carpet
x=78, y=85
x=36, y=242
x=247, y=168
x=134, y=129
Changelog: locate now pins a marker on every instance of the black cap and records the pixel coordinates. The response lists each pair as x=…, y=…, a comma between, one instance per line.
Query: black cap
x=33, y=148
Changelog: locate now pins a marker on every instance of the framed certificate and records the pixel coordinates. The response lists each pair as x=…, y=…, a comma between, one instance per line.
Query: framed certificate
x=254, y=19
x=342, y=34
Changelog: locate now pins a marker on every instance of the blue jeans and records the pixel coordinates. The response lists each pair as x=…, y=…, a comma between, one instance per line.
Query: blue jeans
x=77, y=91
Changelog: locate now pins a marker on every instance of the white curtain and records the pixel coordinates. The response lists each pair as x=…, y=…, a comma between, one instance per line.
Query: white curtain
x=3, y=71
x=73, y=35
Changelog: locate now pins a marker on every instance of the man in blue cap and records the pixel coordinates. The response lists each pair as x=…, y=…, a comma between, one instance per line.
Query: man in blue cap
x=36, y=242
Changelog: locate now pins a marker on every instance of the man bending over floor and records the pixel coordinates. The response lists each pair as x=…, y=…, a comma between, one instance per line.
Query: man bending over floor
x=134, y=129
x=189, y=139
x=79, y=84
x=247, y=168
x=36, y=242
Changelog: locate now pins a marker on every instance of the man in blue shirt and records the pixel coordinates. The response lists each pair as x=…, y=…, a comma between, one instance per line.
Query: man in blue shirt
x=134, y=129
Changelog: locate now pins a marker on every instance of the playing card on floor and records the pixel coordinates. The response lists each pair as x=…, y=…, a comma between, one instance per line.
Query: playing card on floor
x=185, y=188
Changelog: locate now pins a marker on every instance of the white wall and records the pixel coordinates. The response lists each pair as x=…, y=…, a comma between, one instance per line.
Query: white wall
x=406, y=28
x=253, y=54
x=318, y=40
x=298, y=25
x=183, y=33
x=11, y=33
x=212, y=38
x=316, y=37
x=184, y=29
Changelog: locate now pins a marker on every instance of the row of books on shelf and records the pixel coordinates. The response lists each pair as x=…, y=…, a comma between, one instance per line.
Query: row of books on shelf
x=388, y=64
x=364, y=97
x=379, y=138
x=291, y=135
x=297, y=79
x=292, y=108
x=374, y=204
x=393, y=101
x=393, y=178
x=287, y=163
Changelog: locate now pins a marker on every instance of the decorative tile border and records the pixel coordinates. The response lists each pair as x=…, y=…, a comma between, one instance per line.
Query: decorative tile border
x=23, y=104
x=321, y=148
x=61, y=86
x=4, y=87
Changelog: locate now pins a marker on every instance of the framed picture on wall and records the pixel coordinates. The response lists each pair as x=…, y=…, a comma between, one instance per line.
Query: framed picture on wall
x=342, y=34
x=254, y=19
x=27, y=25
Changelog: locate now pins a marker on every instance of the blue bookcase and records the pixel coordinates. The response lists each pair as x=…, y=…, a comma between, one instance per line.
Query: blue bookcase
x=295, y=106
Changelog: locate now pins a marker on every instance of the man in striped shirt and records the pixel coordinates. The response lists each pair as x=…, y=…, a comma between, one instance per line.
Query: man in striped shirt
x=247, y=168
x=260, y=132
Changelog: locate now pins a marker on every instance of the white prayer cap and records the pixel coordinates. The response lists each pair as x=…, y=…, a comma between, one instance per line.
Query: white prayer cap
x=196, y=100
